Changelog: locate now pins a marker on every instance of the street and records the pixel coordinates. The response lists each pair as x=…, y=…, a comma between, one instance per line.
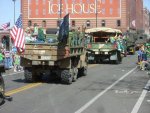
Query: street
x=108, y=88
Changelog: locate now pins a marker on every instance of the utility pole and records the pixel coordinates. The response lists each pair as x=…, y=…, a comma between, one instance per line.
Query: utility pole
x=14, y=10
x=96, y=11
x=60, y=11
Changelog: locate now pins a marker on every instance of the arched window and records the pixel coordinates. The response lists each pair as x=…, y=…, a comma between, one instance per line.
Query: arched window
x=43, y=23
x=118, y=23
x=103, y=23
x=29, y=23
x=88, y=23
x=73, y=23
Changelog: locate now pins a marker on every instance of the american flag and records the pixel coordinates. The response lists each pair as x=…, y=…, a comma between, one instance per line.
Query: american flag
x=5, y=26
x=17, y=34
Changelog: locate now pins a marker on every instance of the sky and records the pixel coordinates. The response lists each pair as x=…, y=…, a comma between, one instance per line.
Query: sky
x=7, y=10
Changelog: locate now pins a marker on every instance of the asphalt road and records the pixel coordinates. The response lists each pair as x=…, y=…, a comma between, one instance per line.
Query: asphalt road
x=107, y=88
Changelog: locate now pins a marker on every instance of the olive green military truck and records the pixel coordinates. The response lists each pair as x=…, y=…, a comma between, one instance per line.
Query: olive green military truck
x=100, y=47
x=130, y=37
x=63, y=56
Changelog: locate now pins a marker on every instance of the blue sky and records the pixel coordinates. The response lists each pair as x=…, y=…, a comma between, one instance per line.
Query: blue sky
x=7, y=10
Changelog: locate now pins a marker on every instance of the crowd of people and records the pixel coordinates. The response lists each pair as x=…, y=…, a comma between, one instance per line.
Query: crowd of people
x=10, y=59
x=144, y=59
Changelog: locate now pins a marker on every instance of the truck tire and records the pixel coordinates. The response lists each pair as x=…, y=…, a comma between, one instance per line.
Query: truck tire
x=29, y=75
x=2, y=89
x=83, y=71
x=66, y=77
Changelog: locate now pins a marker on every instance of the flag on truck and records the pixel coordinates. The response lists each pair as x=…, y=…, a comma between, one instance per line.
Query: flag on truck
x=17, y=34
x=5, y=26
x=64, y=29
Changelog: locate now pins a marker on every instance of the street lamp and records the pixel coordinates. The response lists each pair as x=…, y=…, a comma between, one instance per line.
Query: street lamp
x=96, y=11
x=14, y=10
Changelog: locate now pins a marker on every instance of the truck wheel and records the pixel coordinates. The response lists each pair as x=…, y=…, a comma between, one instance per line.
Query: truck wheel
x=2, y=90
x=29, y=75
x=66, y=77
x=83, y=71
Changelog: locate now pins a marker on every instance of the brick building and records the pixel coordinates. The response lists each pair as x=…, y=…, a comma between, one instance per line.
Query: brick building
x=146, y=20
x=121, y=14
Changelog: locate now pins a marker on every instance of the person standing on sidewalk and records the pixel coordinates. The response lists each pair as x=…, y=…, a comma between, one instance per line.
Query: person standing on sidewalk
x=16, y=62
x=1, y=57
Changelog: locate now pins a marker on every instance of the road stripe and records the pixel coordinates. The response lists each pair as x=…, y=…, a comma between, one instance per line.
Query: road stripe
x=103, y=92
x=29, y=86
x=140, y=100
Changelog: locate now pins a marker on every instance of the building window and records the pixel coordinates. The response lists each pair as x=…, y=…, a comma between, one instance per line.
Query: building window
x=111, y=1
x=103, y=1
x=29, y=11
x=103, y=23
x=36, y=12
x=43, y=23
x=103, y=11
x=118, y=23
x=111, y=11
x=44, y=1
x=88, y=23
x=44, y=11
x=29, y=23
x=73, y=23
x=29, y=1
x=37, y=2
x=118, y=11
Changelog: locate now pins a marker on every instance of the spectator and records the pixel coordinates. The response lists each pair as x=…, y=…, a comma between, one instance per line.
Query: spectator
x=1, y=57
x=143, y=58
x=16, y=63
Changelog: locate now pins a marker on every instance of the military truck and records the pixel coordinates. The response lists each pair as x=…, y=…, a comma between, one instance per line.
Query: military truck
x=64, y=57
x=99, y=46
x=130, y=37
x=2, y=87
x=134, y=39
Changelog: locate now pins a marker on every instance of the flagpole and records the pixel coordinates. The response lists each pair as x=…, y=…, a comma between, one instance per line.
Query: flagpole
x=60, y=11
x=14, y=10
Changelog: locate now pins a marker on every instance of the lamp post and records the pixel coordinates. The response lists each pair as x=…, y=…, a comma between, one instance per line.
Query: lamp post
x=60, y=11
x=14, y=10
x=96, y=11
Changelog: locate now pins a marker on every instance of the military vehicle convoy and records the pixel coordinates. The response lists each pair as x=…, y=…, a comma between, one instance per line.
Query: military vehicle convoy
x=61, y=56
x=100, y=47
